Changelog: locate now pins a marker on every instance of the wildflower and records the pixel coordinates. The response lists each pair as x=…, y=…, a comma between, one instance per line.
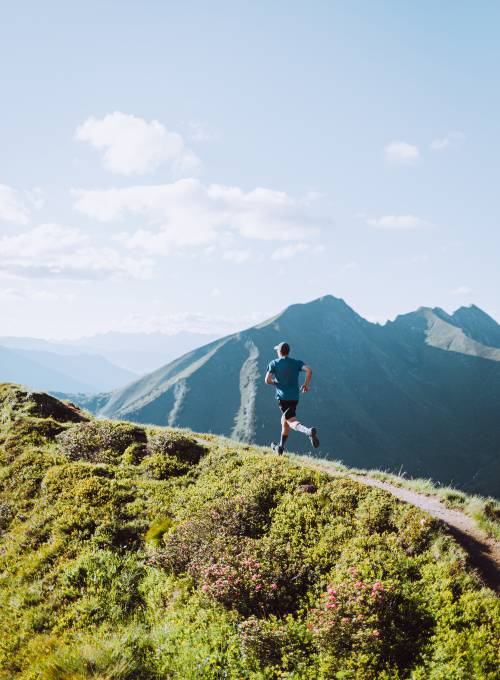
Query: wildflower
x=376, y=633
x=274, y=586
x=345, y=619
x=359, y=585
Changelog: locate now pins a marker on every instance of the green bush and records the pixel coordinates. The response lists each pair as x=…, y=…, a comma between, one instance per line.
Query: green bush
x=100, y=441
x=110, y=582
x=30, y=431
x=6, y=515
x=134, y=453
x=280, y=644
x=177, y=445
x=162, y=466
x=368, y=625
x=104, y=655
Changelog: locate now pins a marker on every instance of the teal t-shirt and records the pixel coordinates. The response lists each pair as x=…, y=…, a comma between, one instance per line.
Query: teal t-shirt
x=286, y=372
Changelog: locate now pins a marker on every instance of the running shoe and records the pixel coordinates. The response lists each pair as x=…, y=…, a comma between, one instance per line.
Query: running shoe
x=313, y=438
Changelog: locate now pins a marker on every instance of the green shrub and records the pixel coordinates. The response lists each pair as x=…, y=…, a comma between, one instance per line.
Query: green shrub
x=219, y=547
x=163, y=466
x=134, y=453
x=253, y=578
x=6, y=515
x=370, y=624
x=100, y=441
x=22, y=479
x=104, y=585
x=157, y=530
x=193, y=541
x=278, y=644
x=104, y=655
x=174, y=444
x=30, y=432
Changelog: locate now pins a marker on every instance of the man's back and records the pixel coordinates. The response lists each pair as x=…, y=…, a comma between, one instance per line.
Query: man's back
x=286, y=371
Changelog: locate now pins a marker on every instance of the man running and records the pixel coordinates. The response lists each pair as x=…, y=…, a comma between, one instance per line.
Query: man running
x=283, y=373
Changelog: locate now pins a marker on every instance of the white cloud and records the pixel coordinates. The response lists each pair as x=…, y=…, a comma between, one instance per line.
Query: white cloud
x=442, y=143
x=398, y=222
x=12, y=206
x=189, y=214
x=289, y=251
x=56, y=251
x=401, y=153
x=461, y=290
x=132, y=146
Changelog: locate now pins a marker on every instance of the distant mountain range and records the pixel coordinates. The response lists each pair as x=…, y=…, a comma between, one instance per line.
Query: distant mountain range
x=419, y=394
x=49, y=371
x=137, y=353
x=93, y=364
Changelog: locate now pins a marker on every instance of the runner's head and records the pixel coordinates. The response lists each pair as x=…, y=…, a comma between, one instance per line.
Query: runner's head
x=283, y=349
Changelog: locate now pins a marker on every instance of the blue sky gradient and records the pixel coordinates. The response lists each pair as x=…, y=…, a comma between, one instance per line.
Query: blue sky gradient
x=303, y=99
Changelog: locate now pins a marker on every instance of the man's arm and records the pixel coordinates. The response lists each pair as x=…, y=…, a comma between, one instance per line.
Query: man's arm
x=308, y=372
x=269, y=379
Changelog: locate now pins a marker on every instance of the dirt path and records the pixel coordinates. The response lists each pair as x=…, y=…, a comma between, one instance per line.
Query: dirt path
x=483, y=551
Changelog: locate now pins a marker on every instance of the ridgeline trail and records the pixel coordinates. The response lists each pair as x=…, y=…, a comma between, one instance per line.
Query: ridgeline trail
x=483, y=550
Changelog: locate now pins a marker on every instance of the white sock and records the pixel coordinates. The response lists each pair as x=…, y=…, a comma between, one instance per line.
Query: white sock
x=301, y=428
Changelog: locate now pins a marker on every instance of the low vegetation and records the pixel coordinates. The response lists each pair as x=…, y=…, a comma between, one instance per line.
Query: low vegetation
x=136, y=553
x=484, y=510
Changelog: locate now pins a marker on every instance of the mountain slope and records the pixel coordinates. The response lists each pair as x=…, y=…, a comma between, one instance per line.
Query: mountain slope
x=140, y=553
x=478, y=325
x=416, y=394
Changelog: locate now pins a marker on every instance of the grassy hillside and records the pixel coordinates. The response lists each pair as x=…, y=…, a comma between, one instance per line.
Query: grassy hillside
x=135, y=553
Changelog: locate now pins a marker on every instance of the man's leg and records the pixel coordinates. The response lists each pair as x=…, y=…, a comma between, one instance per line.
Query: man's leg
x=308, y=431
x=298, y=427
x=285, y=429
x=279, y=448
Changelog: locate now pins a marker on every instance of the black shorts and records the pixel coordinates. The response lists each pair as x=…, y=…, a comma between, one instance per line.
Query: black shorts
x=287, y=408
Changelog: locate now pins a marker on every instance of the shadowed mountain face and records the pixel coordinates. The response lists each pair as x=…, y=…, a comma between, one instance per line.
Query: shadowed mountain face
x=421, y=393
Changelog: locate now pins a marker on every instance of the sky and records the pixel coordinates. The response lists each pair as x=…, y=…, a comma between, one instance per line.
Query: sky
x=200, y=166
